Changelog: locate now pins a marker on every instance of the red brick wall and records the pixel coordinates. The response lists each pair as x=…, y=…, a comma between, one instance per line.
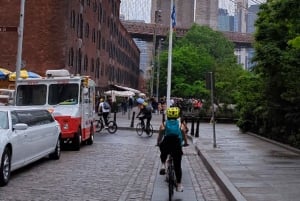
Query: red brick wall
x=48, y=38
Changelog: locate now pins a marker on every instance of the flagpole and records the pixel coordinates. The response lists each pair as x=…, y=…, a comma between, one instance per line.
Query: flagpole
x=170, y=60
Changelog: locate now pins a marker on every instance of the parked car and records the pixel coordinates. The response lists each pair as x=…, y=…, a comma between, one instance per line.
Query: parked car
x=26, y=135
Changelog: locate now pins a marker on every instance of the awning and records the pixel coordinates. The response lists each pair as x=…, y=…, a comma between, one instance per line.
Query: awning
x=119, y=93
x=126, y=89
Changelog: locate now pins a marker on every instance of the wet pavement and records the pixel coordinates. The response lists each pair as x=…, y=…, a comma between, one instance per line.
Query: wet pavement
x=246, y=166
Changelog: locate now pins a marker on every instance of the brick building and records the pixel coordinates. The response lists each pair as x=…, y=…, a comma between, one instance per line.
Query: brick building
x=83, y=36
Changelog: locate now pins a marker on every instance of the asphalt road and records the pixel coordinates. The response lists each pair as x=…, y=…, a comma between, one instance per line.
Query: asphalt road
x=121, y=166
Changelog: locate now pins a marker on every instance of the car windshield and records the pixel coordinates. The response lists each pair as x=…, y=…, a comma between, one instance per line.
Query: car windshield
x=3, y=120
x=63, y=94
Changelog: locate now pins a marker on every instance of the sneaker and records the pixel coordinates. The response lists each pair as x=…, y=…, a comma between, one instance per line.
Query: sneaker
x=185, y=144
x=162, y=171
x=179, y=188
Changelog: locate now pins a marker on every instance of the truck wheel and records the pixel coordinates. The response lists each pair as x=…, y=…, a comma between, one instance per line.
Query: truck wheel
x=77, y=140
x=90, y=141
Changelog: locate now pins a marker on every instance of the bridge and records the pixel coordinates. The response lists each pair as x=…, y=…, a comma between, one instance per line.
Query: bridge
x=146, y=31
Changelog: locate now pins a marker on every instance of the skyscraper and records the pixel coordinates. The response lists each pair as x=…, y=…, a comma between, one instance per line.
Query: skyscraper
x=136, y=10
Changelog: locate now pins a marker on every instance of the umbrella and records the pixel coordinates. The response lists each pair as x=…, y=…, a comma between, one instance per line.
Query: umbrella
x=3, y=73
x=23, y=74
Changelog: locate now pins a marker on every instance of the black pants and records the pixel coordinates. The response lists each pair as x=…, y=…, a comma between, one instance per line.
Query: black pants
x=105, y=118
x=148, y=120
x=172, y=145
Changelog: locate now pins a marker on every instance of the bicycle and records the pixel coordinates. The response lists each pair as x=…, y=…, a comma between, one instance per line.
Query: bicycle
x=140, y=128
x=170, y=176
x=111, y=125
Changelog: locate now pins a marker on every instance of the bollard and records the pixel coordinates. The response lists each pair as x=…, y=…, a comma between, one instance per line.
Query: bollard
x=163, y=118
x=132, y=120
x=192, y=127
x=197, y=127
x=115, y=117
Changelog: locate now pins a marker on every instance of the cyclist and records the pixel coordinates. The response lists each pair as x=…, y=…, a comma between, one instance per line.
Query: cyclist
x=104, y=109
x=146, y=112
x=170, y=140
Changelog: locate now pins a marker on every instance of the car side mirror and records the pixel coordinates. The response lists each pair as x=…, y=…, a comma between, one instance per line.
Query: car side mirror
x=20, y=126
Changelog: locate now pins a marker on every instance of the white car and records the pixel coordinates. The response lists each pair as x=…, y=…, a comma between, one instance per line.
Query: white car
x=26, y=135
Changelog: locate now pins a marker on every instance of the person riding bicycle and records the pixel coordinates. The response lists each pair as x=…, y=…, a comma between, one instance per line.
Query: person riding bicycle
x=146, y=112
x=104, y=110
x=170, y=141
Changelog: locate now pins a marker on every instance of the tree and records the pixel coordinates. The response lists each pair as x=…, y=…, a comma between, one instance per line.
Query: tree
x=201, y=50
x=278, y=63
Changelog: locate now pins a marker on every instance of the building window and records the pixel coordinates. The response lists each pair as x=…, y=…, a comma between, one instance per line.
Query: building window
x=95, y=6
x=79, y=58
x=71, y=57
x=94, y=35
x=85, y=63
x=92, y=65
x=88, y=2
x=80, y=34
x=97, y=67
x=72, y=19
x=87, y=30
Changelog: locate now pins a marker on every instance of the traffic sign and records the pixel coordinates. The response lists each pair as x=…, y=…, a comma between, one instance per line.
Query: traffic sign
x=8, y=29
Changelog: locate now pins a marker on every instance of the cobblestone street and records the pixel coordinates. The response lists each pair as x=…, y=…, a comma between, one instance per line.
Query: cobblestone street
x=116, y=167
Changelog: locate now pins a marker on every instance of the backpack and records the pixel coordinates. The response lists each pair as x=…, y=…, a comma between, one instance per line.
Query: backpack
x=106, y=105
x=172, y=128
x=149, y=108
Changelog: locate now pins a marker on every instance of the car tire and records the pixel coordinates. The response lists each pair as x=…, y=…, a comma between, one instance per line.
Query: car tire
x=5, y=167
x=56, y=154
x=77, y=140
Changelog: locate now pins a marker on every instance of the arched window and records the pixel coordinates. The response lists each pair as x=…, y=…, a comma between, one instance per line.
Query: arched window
x=92, y=65
x=85, y=63
x=79, y=58
x=72, y=19
x=71, y=57
x=87, y=30
x=97, y=67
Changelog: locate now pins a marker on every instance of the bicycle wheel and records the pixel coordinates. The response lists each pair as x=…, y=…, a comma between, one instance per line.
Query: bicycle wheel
x=139, y=129
x=150, y=131
x=112, y=127
x=171, y=182
x=99, y=126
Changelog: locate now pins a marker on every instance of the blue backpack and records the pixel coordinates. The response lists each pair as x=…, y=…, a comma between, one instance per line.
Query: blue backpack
x=172, y=128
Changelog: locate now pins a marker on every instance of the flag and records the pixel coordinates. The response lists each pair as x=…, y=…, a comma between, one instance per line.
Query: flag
x=173, y=17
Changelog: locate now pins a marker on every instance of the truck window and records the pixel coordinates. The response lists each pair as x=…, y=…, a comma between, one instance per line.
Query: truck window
x=3, y=120
x=31, y=95
x=64, y=94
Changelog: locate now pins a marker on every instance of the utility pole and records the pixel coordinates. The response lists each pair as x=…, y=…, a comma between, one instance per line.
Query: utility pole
x=20, y=41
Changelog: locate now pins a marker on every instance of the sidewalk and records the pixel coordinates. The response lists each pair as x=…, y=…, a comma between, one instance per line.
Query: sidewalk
x=246, y=166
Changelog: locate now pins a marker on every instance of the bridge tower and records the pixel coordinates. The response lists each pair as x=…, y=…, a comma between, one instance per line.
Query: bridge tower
x=202, y=12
